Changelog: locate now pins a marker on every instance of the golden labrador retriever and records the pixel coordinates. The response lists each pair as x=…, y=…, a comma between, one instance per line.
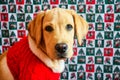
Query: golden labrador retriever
x=50, y=38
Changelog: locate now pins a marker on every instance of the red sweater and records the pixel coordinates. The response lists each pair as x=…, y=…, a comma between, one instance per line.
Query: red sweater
x=24, y=65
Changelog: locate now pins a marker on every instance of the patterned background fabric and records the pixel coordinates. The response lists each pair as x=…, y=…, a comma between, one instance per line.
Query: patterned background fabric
x=98, y=58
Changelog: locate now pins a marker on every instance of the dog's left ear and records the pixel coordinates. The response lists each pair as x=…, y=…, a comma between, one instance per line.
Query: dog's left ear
x=35, y=27
x=81, y=26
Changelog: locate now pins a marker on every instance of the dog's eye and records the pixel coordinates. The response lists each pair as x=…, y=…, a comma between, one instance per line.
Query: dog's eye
x=69, y=27
x=49, y=28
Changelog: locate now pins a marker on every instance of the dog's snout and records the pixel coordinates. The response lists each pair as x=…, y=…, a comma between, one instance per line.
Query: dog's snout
x=61, y=47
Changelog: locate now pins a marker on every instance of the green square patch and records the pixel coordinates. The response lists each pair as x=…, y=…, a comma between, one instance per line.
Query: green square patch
x=5, y=33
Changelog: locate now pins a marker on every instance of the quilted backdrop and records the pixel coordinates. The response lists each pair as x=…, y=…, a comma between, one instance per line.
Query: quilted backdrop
x=98, y=58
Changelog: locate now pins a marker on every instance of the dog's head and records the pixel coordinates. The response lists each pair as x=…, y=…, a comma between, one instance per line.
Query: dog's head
x=53, y=31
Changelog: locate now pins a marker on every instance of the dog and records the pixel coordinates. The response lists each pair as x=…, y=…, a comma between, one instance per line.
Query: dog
x=42, y=53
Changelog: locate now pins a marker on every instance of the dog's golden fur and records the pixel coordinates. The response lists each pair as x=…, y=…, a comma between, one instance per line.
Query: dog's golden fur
x=42, y=43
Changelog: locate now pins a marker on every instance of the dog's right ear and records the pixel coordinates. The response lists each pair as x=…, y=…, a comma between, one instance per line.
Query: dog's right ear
x=35, y=27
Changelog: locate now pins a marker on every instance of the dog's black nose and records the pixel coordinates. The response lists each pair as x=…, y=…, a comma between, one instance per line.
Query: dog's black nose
x=61, y=47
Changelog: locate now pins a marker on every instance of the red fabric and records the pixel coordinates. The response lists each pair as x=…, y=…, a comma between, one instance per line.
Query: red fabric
x=24, y=65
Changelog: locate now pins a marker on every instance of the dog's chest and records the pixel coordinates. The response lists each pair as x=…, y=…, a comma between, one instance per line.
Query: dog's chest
x=36, y=70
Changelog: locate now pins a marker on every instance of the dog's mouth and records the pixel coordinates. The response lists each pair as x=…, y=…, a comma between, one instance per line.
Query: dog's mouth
x=62, y=56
